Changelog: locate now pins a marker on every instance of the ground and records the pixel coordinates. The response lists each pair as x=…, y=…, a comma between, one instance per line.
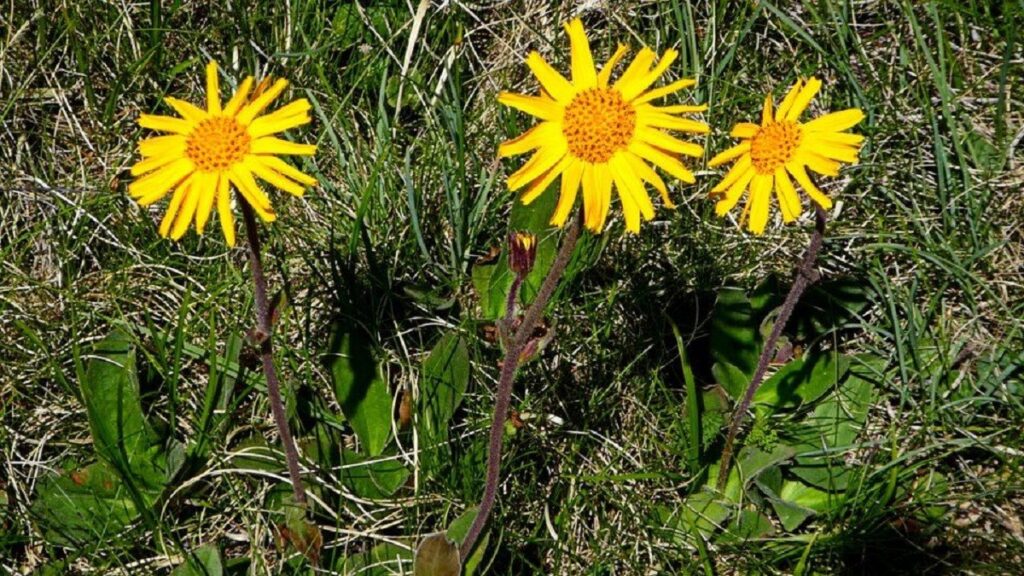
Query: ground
x=411, y=200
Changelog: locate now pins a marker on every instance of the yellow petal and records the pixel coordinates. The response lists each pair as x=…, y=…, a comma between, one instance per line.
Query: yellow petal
x=227, y=218
x=636, y=69
x=662, y=160
x=250, y=191
x=162, y=145
x=633, y=89
x=789, y=201
x=186, y=212
x=186, y=110
x=829, y=149
x=801, y=177
x=606, y=71
x=603, y=188
x=206, y=188
x=286, y=169
x=212, y=89
x=680, y=108
x=554, y=83
x=672, y=123
x=738, y=169
x=166, y=124
x=647, y=174
x=838, y=139
x=591, y=197
x=567, y=195
x=664, y=141
x=665, y=91
x=538, y=106
x=541, y=183
x=729, y=154
x=744, y=130
x=531, y=139
x=240, y=97
x=152, y=163
x=272, y=177
x=250, y=110
x=787, y=102
x=272, y=145
x=294, y=114
x=733, y=194
x=818, y=163
x=803, y=99
x=583, y=74
x=760, y=201
x=631, y=187
x=766, y=112
x=163, y=178
x=172, y=208
x=542, y=160
x=836, y=121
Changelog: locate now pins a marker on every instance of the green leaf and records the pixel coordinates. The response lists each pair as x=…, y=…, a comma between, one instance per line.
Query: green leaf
x=752, y=461
x=85, y=506
x=443, y=383
x=703, y=512
x=203, y=561
x=437, y=556
x=735, y=337
x=381, y=560
x=733, y=380
x=457, y=531
x=748, y=525
x=364, y=396
x=802, y=381
x=830, y=430
x=796, y=502
x=372, y=478
x=828, y=305
x=121, y=435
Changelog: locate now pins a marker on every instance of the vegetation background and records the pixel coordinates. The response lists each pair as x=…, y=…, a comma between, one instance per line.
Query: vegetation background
x=928, y=227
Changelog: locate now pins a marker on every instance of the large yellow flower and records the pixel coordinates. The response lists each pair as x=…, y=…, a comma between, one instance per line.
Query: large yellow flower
x=208, y=151
x=782, y=147
x=593, y=134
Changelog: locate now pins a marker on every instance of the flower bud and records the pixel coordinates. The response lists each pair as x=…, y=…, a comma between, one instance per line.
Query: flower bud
x=522, y=251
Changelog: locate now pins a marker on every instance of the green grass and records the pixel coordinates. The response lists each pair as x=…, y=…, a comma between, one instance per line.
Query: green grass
x=411, y=195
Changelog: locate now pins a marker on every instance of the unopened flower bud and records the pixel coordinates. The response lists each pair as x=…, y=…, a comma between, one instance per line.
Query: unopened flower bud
x=522, y=252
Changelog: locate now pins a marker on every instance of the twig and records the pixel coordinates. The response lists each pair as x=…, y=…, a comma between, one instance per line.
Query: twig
x=804, y=277
x=509, y=365
x=262, y=338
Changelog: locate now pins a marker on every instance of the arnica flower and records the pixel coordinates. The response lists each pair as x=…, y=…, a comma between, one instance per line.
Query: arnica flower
x=594, y=134
x=522, y=252
x=209, y=151
x=782, y=147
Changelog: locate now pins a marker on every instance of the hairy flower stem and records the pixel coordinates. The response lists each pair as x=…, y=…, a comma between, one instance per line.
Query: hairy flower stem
x=262, y=339
x=804, y=277
x=503, y=397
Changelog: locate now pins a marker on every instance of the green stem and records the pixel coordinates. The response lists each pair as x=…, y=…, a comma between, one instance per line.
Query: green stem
x=804, y=276
x=262, y=338
x=503, y=397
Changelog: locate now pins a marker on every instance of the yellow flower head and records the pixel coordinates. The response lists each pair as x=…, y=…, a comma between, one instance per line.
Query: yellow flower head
x=522, y=252
x=594, y=134
x=782, y=147
x=208, y=151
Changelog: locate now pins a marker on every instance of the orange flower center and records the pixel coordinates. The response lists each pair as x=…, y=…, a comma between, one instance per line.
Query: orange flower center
x=597, y=124
x=217, y=143
x=774, y=145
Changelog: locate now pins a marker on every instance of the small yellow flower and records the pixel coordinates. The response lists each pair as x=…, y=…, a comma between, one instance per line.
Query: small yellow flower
x=594, y=134
x=208, y=151
x=522, y=252
x=782, y=147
